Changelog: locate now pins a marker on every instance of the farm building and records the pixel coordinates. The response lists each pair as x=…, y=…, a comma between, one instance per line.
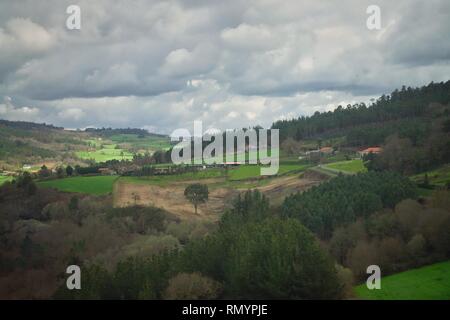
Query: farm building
x=374, y=150
x=317, y=154
x=326, y=150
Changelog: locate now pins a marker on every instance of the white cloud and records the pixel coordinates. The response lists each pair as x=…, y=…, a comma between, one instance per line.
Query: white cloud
x=24, y=34
x=10, y=112
x=249, y=37
x=162, y=64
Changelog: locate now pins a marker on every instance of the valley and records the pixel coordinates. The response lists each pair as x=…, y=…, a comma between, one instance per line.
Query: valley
x=352, y=189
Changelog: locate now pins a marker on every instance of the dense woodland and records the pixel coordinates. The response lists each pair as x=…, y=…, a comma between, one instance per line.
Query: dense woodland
x=106, y=132
x=407, y=236
x=409, y=155
x=253, y=254
x=346, y=198
x=406, y=103
x=256, y=251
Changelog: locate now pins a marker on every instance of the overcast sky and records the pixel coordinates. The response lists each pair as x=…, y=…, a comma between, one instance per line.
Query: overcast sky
x=161, y=65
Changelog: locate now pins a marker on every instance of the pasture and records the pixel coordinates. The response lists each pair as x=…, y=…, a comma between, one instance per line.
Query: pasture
x=107, y=152
x=439, y=177
x=348, y=166
x=428, y=283
x=163, y=180
x=245, y=172
x=3, y=179
x=150, y=143
x=96, y=185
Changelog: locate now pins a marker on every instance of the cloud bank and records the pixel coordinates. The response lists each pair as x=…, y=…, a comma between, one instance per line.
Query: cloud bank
x=163, y=64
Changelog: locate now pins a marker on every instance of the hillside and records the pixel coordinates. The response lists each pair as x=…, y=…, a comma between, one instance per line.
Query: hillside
x=308, y=232
x=426, y=283
x=400, y=111
x=411, y=125
x=32, y=145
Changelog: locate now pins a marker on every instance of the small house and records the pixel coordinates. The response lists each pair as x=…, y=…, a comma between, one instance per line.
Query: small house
x=374, y=150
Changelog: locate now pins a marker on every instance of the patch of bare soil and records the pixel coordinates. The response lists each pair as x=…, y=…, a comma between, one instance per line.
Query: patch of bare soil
x=49, y=164
x=280, y=188
x=171, y=198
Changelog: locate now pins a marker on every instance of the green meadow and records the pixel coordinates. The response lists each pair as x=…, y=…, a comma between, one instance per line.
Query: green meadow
x=236, y=176
x=249, y=171
x=438, y=177
x=118, y=147
x=3, y=179
x=108, y=152
x=427, y=283
x=150, y=143
x=163, y=180
x=348, y=166
x=97, y=185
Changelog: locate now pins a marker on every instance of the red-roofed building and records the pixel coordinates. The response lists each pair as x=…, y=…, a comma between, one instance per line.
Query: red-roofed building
x=326, y=150
x=374, y=150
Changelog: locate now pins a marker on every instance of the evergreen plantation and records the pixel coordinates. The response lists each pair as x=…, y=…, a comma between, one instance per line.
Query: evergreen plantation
x=407, y=103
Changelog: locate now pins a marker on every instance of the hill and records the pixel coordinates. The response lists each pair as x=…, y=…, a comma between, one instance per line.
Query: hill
x=402, y=107
x=32, y=145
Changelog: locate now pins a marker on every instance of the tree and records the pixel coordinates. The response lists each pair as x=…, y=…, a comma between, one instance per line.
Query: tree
x=74, y=203
x=252, y=206
x=290, y=146
x=44, y=172
x=136, y=198
x=196, y=193
x=74, y=207
x=192, y=286
x=277, y=259
x=345, y=198
x=25, y=182
x=60, y=172
x=69, y=170
x=426, y=181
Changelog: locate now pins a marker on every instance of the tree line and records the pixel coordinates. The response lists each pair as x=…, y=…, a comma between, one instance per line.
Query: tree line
x=346, y=198
x=400, y=104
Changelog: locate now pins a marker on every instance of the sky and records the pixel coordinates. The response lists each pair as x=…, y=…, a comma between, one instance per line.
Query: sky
x=160, y=65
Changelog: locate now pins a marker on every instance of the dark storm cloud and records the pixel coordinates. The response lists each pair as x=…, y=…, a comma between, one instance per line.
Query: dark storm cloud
x=163, y=64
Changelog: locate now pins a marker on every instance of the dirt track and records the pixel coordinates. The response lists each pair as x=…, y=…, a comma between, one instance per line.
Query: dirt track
x=281, y=187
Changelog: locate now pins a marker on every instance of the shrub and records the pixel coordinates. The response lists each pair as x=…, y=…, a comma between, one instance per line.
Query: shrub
x=192, y=286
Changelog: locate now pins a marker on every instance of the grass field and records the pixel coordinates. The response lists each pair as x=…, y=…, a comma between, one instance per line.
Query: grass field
x=429, y=282
x=97, y=185
x=166, y=179
x=236, y=177
x=108, y=152
x=244, y=172
x=3, y=179
x=117, y=147
x=424, y=192
x=150, y=143
x=349, y=166
x=439, y=177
